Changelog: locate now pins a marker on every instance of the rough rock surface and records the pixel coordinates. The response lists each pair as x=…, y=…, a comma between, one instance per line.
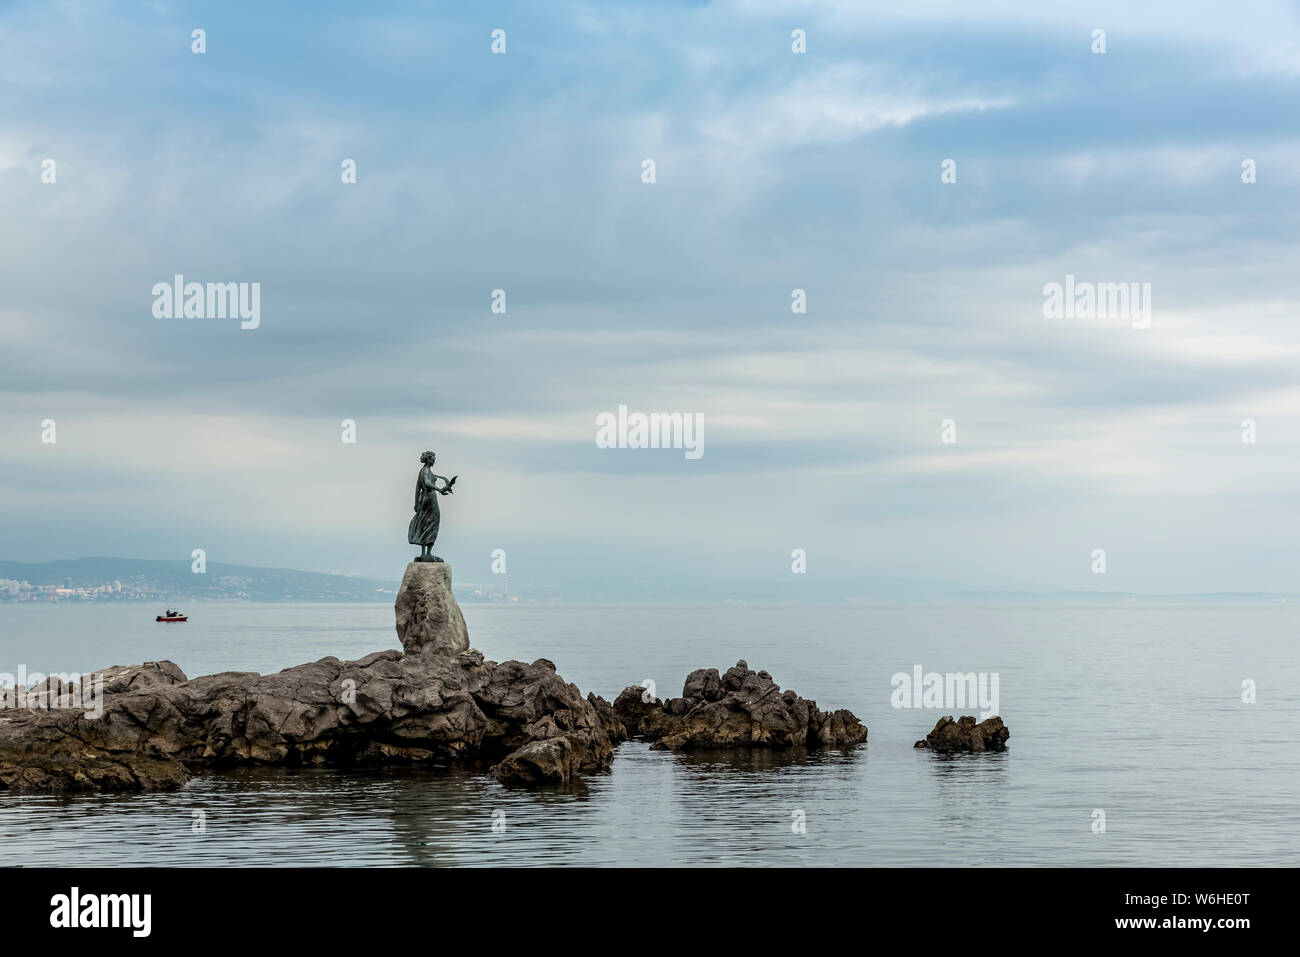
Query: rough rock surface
x=741, y=708
x=965, y=735
x=424, y=705
x=614, y=727
x=135, y=677
x=428, y=618
x=633, y=705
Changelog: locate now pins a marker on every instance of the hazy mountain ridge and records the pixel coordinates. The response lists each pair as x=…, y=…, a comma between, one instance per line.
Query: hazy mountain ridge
x=135, y=579
x=145, y=579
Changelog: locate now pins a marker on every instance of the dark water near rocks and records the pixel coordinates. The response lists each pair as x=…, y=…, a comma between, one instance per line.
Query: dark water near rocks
x=1135, y=711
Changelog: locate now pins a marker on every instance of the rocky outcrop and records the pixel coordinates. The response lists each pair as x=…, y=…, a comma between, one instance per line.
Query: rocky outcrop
x=149, y=727
x=741, y=708
x=965, y=735
x=384, y=708
x=426, y=705
x=634, y=705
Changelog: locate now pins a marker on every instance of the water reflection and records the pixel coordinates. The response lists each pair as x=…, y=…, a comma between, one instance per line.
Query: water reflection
x=754, y=760
x=969, y=789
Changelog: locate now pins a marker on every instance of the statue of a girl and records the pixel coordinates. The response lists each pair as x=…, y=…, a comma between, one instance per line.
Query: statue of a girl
x=423, y=530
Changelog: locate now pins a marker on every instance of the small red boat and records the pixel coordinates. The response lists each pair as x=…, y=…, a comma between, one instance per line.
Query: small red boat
x=172, y=616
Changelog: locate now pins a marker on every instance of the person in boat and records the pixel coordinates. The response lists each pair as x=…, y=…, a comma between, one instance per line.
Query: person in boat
x=423, y=530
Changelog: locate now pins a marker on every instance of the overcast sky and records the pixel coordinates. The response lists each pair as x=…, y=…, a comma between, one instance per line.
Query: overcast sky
x=775, y=171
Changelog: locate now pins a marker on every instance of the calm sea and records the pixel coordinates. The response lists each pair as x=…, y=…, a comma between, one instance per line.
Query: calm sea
x=1131, y=712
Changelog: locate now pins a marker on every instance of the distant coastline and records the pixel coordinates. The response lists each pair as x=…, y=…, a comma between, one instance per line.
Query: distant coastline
x=145, y=580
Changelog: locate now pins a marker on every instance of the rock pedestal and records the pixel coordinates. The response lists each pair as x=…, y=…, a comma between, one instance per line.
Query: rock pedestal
x=428, y=619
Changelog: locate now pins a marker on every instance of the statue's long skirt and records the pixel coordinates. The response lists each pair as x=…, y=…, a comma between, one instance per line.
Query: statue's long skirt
x=424, y=524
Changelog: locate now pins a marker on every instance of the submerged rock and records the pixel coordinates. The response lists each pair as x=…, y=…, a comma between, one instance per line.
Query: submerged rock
x=428, y=705
x=965, y=735
x=739, y=709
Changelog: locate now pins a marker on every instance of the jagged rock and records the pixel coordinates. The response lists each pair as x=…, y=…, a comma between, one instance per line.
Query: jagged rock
x=615, y=728
x=54, y=692
x=704, y=685
x=965, y=735
x=632, y=705
x=426, y=705
x=428, y=618
x=741, y=708
x=133, y=677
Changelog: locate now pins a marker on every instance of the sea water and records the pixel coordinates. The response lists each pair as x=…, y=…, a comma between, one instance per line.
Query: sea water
x=1130, y=742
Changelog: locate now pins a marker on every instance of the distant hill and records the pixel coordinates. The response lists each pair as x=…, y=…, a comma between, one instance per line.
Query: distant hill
x=145, y=579
x=135, y=579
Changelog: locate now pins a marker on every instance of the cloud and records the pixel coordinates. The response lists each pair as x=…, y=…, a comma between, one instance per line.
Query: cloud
x=775, y=172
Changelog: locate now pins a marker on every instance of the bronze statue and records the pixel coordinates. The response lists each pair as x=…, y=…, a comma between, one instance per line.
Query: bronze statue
x=423, y=530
